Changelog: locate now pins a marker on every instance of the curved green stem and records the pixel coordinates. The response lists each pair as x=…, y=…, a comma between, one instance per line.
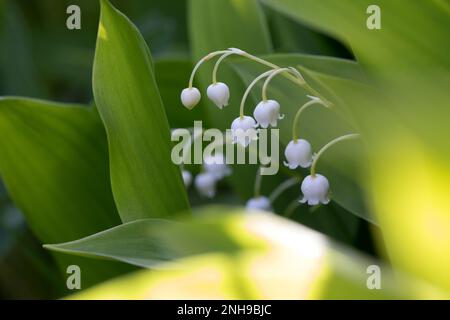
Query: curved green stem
x=328, y=145
x=199, y=63
x=249, y=88
x=294, y=76
x=282, y=187
x=298, y=79
x=216, y=65
x=299, y=112
x=290, y=209
x=270, y=77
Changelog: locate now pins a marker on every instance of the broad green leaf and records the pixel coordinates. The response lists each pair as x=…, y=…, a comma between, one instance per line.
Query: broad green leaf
x=290, y=262
x=341, y=164
x=144, y=180
x=407, y=180
x=394, y=48
x=54, y=162
x=289, y=36
x=150, y=242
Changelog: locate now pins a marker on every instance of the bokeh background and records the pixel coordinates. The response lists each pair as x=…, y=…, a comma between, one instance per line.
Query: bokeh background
x=407, y=180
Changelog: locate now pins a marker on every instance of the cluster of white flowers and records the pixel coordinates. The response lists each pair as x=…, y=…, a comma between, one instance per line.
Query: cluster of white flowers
x=214, y=169
x=298, y=152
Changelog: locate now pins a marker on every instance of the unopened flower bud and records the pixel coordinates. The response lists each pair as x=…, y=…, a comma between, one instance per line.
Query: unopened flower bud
x=190, y=97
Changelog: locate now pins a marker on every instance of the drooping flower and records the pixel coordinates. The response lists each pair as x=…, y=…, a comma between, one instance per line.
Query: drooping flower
x=267, y=112
x=315, y=190
x=243, y=130
x=259, y=203
x=187, y=178
x=298, y=153
x=216, y=166
x=205, y=183
x=219, y=94
x=190, y=97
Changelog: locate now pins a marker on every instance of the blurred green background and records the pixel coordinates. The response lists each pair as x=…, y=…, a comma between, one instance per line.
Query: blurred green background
x=41, y=58
x=404, y=184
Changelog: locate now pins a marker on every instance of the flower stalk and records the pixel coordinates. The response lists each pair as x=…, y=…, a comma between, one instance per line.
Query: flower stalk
x=327, y=146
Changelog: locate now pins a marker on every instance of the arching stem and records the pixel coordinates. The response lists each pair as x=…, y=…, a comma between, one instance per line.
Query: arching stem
x=328, y=145
x=249, y=88
x=273, y=74
x=299, y=112
x=294, y=76
x=282, y=187
x=199, y=63
x=216, y=65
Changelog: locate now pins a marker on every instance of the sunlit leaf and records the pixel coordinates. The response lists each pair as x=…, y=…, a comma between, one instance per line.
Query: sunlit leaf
x=294, y=263
x=149, y=242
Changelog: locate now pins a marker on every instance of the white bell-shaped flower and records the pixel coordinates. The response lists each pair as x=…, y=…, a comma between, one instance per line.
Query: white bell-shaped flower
x=190, y=97
x=243, y=130
x=205, y=183
x=219, y=94
x=298, y=153
x=187, y=178
x=267, y=112
x=315, y=190
x=216, y=166
x=259, y=203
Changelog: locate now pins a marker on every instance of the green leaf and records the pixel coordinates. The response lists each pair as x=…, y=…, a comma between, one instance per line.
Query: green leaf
x=396, y=46
x=149, y=242
x=144, y=180
x=275, y=259
x=290, y=36
x=54, y=162
x=341, y=164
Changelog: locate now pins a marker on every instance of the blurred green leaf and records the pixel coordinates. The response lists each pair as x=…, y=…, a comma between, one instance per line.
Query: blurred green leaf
x=150, y=242
x=53, y=159
x=405, y=120
x=396, y=45
x=289, y=36
x=144, y=180
x=289, y=262
x=342, y=164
